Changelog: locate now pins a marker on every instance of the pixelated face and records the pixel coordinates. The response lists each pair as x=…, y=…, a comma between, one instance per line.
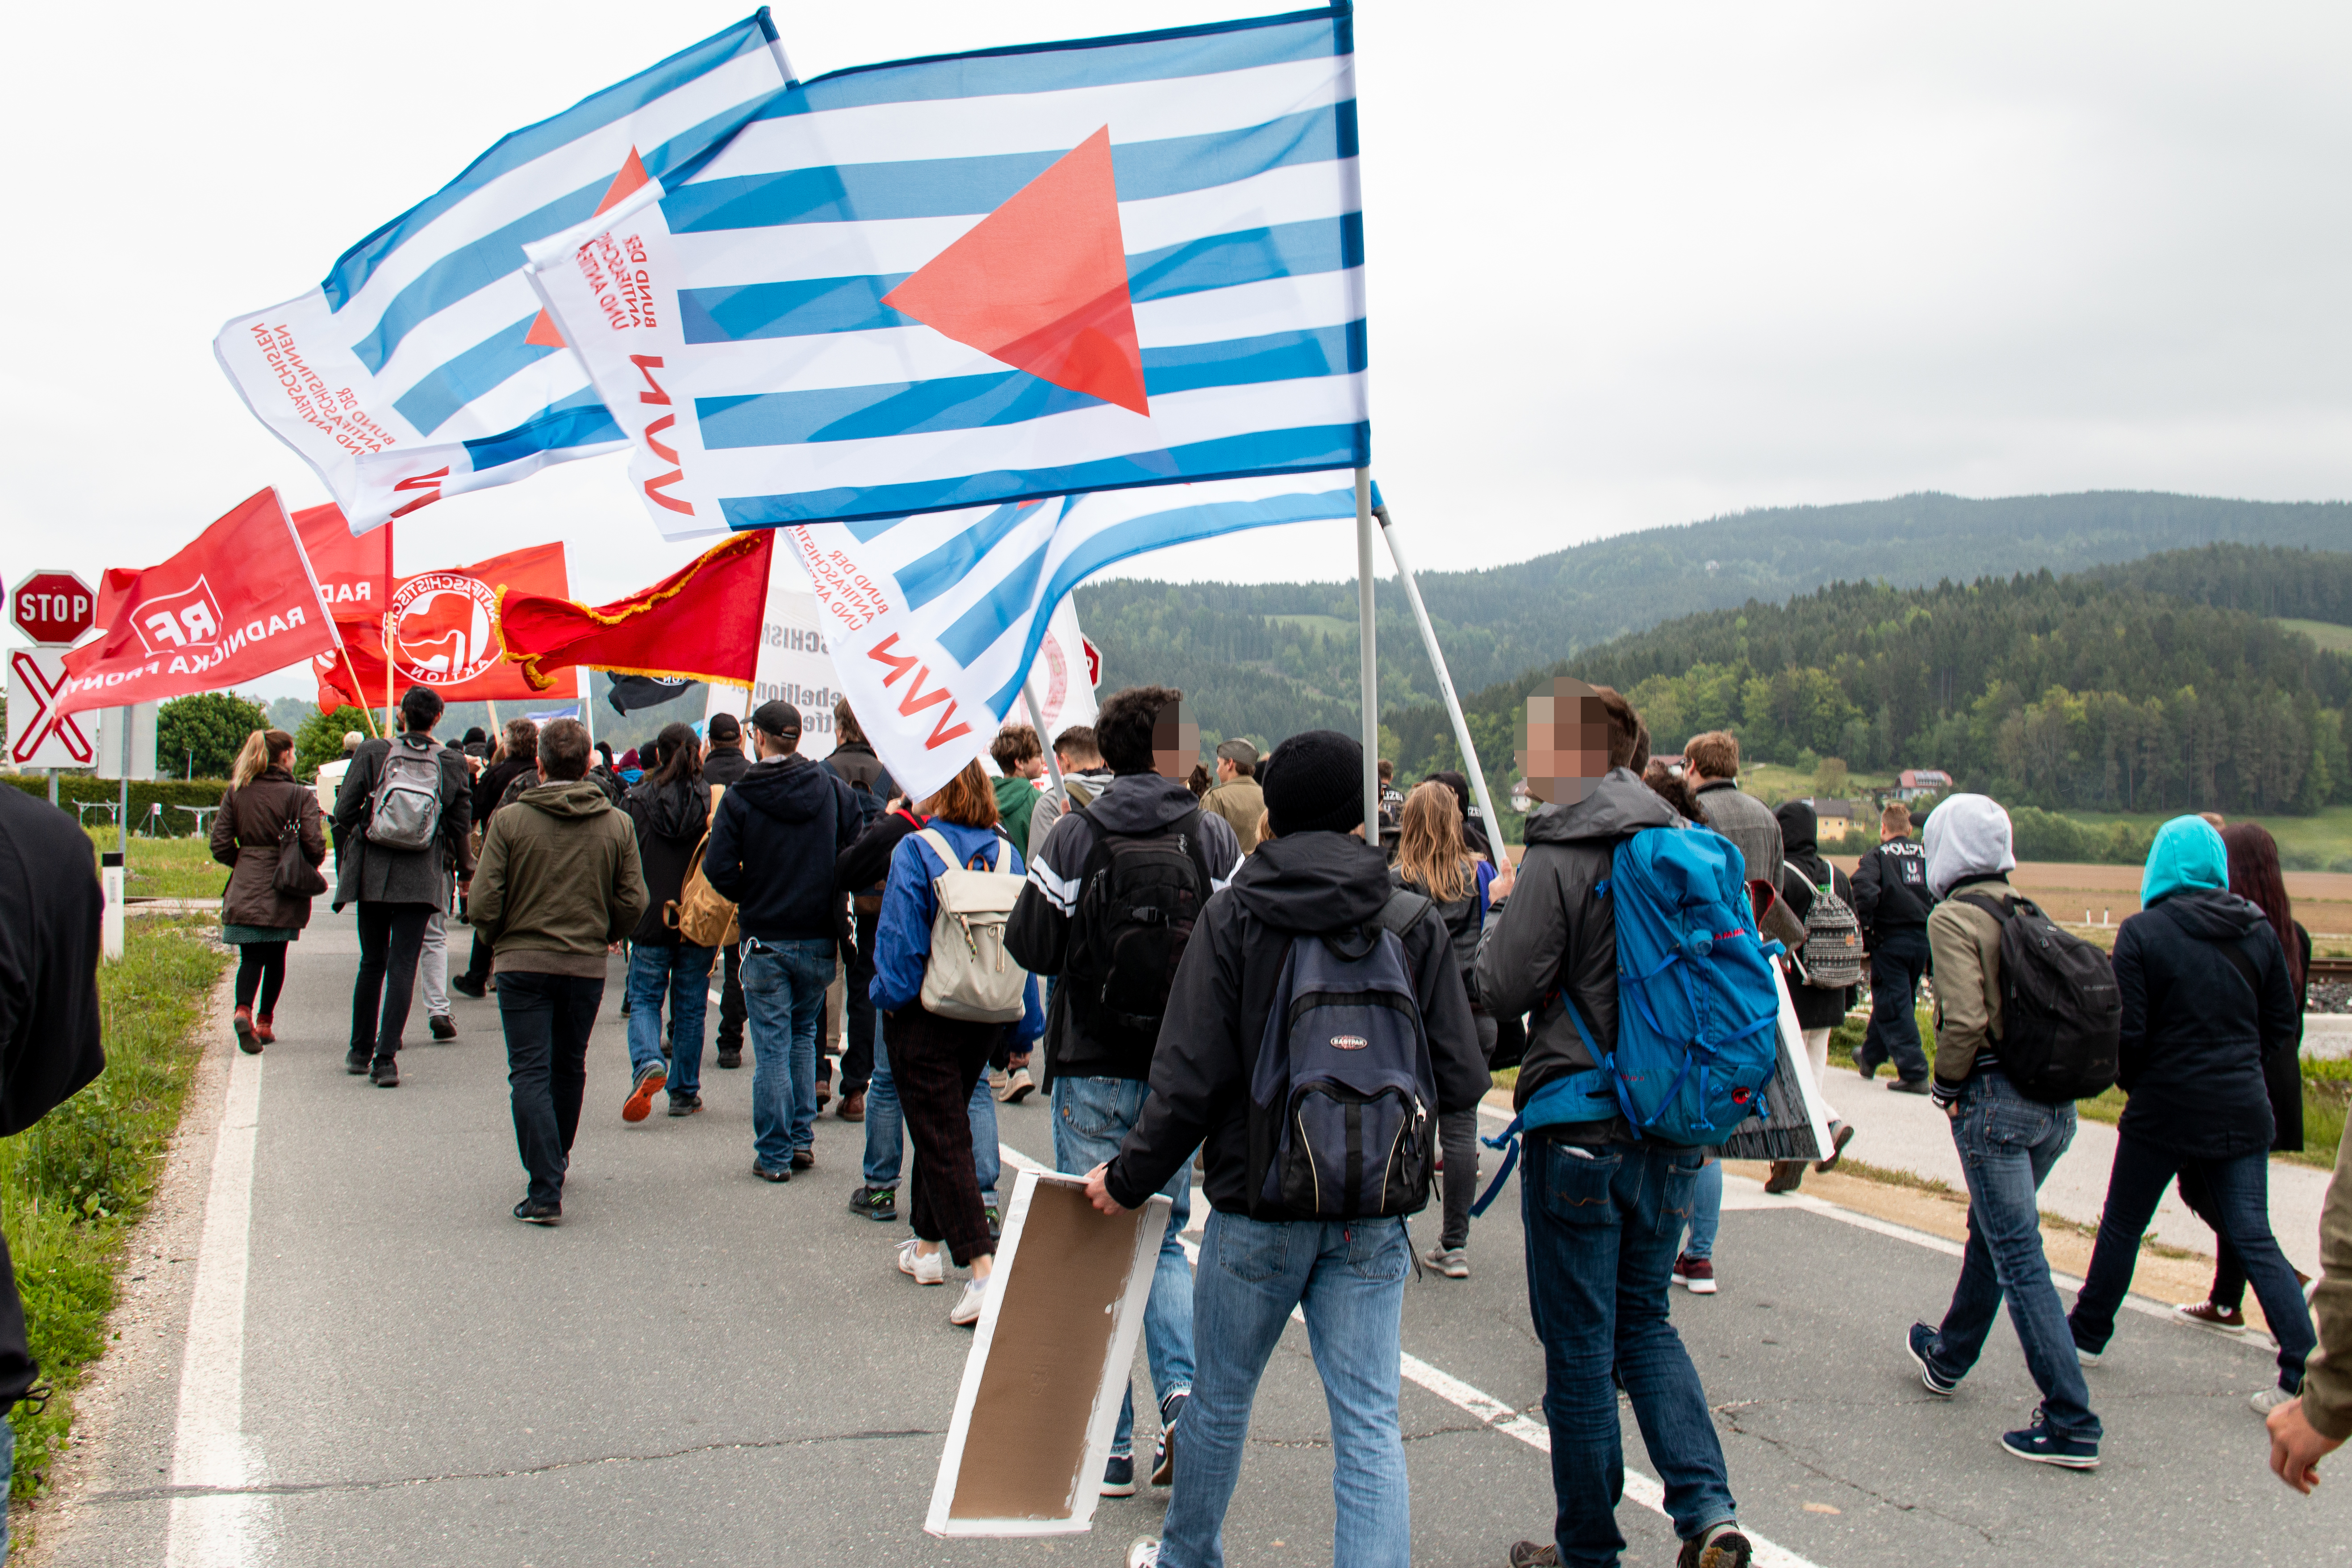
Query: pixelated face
x=1176, y=742
x=1564, y=745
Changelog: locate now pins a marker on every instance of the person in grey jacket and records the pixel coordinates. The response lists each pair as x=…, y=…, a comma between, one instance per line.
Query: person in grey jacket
x=1714, y=763
x=397, y=890
x=1602, y=1205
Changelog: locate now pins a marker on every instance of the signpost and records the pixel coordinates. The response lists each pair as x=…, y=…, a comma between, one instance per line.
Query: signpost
x=52, y=608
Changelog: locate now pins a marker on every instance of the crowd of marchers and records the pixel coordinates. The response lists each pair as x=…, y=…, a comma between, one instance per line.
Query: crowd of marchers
x=1232, y=987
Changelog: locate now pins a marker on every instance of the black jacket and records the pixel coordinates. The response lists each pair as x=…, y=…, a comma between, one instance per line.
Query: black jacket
x=1039, y=931
x=1890, y=887
x=491, y=786
x=773, y=847
x=49, y=1047
x=867, y=861
x=1555, y=938
x=670, y=819
x=725, y=765
x=369, y=873
x=1802, y=870
x=2196, y=1032
x=1305, y=884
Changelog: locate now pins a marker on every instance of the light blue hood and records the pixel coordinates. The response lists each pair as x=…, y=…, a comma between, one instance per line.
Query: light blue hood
x=2187, y=853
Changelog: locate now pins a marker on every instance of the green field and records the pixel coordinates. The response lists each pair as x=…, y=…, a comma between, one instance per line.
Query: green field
x=2327, y=635
x=1772, y=783
x=2315, y=843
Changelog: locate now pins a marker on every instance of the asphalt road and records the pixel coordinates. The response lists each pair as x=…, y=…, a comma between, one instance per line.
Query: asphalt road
x=701, y=1368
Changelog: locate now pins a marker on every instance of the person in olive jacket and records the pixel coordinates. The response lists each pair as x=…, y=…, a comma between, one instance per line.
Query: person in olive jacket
x=250, y=837
x=2205, y=999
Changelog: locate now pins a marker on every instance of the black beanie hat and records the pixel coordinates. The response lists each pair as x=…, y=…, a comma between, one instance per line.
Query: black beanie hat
x=1314, y=781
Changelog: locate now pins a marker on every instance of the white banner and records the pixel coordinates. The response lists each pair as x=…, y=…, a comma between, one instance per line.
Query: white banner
x=39, y=736
x=793, y=665
x=1064, y=676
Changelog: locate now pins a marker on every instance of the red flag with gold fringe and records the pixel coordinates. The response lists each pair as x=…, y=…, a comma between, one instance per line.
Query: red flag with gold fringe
x=700, y=623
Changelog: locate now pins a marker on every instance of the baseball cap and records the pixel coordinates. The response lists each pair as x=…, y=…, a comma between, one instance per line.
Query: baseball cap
x=724, y=727
x=1238, y=751
x=779, y=718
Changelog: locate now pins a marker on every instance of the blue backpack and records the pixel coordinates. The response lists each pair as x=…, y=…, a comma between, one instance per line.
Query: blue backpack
x=1698, y=1009
x=1343, y=1098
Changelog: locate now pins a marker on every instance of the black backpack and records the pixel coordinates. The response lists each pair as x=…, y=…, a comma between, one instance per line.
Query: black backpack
x=2062, y=1013
x=1141, y=894
x=1343, y=1095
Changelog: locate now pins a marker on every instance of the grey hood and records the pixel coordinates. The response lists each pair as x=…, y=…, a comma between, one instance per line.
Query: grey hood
x=1619, y=804
x=1968, y=835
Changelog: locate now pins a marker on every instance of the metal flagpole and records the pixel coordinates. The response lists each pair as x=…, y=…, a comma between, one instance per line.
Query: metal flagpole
x=1053, y=763
x=327, y=610
x=1445, y=679
x=1371, y=657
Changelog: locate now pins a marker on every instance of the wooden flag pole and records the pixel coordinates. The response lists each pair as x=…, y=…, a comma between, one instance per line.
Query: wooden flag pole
x=1371, y=655
x=387, y=673
x=1445, y=679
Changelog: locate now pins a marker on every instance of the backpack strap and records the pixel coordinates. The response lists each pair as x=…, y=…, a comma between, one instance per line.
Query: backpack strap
x=949, y=858
x=1401, y=913
x=1992, y=907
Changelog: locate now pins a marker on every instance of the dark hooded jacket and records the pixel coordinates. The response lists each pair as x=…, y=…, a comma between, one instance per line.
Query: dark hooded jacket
x=1890, y=888
x=371, y=873
x=773, y=842
x=2195, y=1029
x=559, y=881
x=1554, y=940
x=1039, y=934
x=50, y=907
x=1802, y=871
x=670, y=819
x=1309, y=883
x=726, y=765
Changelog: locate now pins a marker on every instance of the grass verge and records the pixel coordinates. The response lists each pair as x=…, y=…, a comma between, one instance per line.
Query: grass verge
x=163, y=867
x=73, y=1185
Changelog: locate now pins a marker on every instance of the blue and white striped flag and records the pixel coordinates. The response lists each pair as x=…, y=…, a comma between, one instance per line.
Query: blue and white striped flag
x=424, y=366
x=993, y=277
x=933, y=620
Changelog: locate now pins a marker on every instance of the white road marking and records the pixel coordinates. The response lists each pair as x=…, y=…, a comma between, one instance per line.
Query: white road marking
x=1639, y=1488
x=209, y=1448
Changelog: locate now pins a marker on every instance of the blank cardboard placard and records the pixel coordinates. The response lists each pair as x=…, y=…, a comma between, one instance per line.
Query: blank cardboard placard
x=1032, y=1423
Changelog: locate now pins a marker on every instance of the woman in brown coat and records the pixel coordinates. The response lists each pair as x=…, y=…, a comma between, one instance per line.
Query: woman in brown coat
x=249, y=834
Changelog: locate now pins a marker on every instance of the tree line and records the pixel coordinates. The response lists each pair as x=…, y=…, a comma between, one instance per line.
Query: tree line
x=2156, y=686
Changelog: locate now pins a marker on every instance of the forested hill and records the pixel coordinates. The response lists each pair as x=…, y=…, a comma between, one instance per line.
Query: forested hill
x=2158, y=685
x=1267, y=660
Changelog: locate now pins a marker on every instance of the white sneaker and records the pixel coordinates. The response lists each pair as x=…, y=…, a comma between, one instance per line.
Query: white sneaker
x=969, y=1304
x=1144, y=1554
x=2089, y=1358
x=922, y=1268
x=2270, y=1399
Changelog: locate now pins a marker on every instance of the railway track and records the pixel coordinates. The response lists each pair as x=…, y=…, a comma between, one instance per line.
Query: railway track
x=2331, y=969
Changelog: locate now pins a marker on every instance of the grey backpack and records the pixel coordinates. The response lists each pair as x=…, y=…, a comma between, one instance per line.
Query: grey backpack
x=1832, y=955
x=404, y=812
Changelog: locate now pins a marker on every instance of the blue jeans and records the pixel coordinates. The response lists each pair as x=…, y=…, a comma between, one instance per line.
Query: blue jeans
x=2235, y=1195
x=1350, y=1278
x=1707, y=1211
x=7, y=1475
x=1091, y=1118
x=885, y=1128
x=1602, y=1227
x=783, y=991
x=2008, y=1144
x=682, y=974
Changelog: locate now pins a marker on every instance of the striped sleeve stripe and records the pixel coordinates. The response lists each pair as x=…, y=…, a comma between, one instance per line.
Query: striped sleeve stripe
x=1062, y=892
x=1301, y=450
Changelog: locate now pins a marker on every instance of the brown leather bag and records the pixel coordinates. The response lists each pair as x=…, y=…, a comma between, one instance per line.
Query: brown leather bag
x=699, y=914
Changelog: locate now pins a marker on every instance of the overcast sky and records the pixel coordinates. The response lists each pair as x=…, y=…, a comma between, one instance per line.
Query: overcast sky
x=1628, y=265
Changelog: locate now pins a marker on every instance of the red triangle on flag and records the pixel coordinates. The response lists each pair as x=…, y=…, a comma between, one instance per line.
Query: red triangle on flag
x=1041, y=282
x=544, y=334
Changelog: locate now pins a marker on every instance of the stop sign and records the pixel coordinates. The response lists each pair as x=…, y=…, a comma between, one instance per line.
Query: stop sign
x=53, y=606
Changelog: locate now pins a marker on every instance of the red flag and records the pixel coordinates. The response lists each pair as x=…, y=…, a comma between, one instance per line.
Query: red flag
x=354, y=574
x=702, y=622
x=446, y=635
x=233, y=605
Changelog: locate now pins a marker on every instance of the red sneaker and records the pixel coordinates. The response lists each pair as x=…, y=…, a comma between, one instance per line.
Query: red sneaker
x=640, y=1103
x=262, y=1030
x=247, y=1041
x=1695, y=1274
